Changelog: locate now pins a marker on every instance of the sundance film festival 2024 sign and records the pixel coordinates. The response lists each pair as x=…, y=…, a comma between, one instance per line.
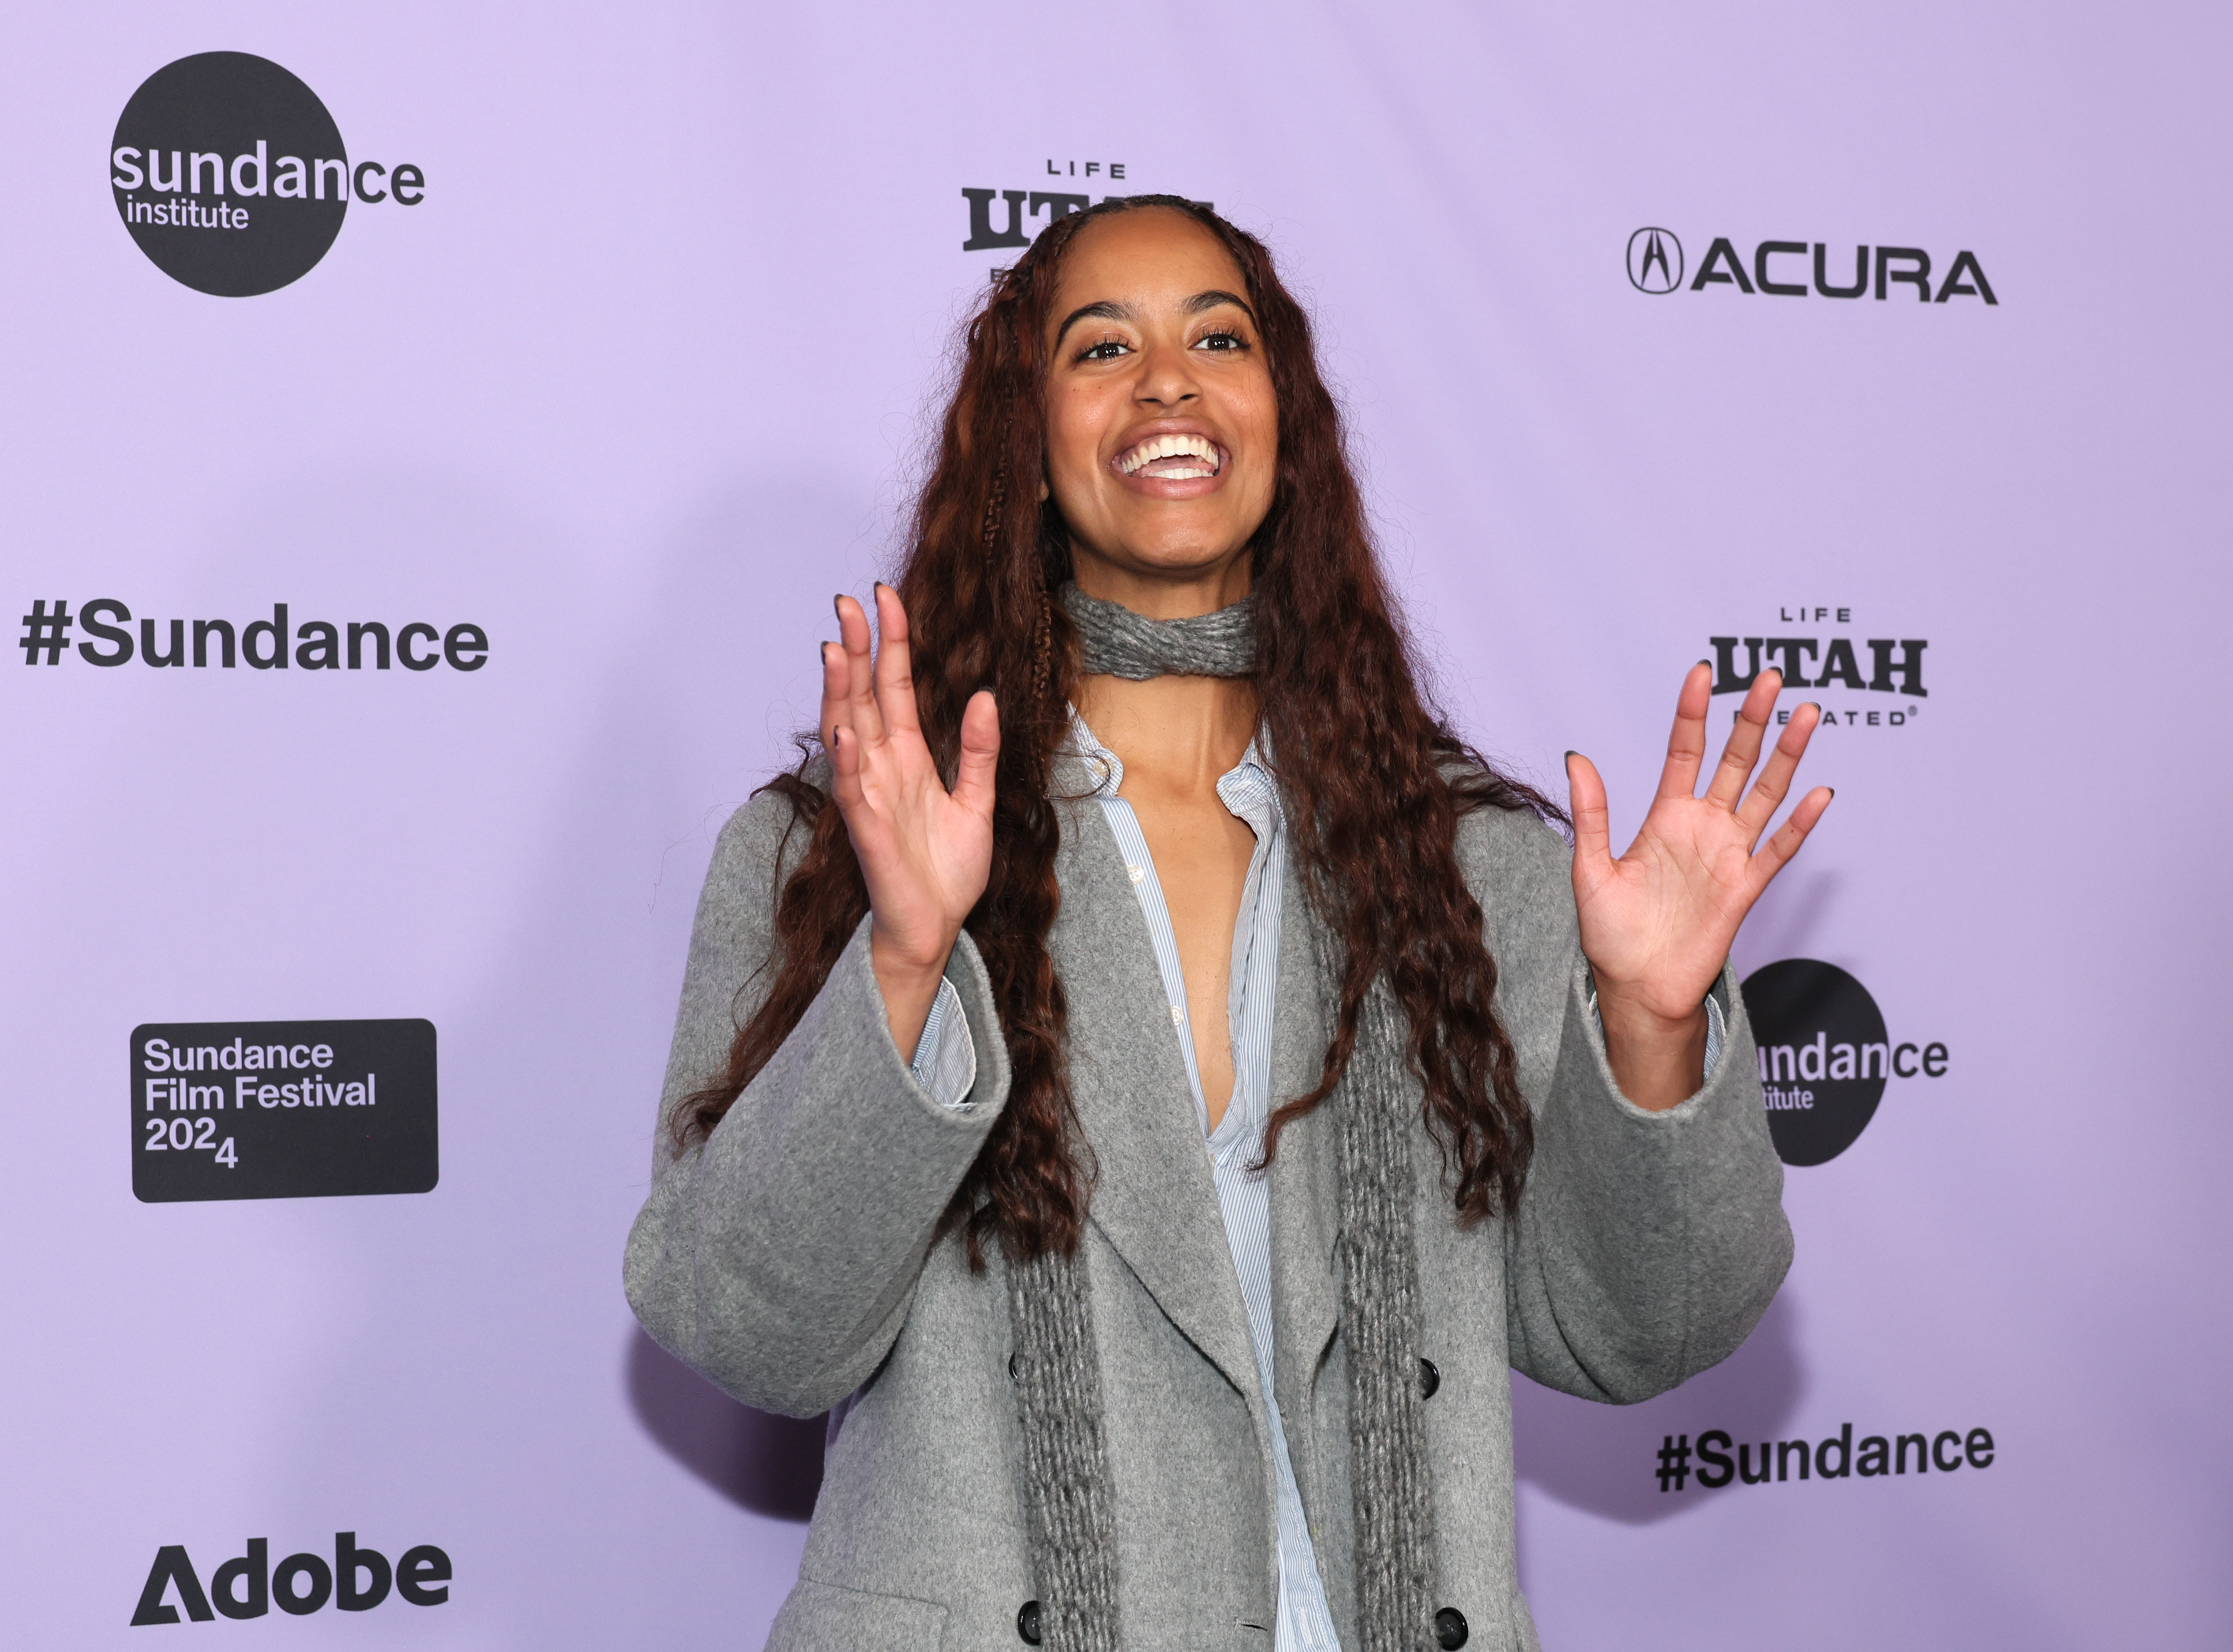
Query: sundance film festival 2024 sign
x=282, y=1110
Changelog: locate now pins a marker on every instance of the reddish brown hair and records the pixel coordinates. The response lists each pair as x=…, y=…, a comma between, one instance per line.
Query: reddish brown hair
x=1375, y=779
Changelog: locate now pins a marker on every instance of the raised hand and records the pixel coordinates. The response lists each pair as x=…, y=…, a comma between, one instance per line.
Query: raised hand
x=924, y=851
x=1657, y=923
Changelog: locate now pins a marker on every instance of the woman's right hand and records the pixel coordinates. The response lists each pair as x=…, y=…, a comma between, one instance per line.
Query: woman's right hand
x=925, y=852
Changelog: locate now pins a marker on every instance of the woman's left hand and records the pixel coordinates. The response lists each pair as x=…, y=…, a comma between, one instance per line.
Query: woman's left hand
x=1657, y=923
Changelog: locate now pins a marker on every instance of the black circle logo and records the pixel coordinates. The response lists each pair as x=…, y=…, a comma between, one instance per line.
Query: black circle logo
x=1824, y=1056
x=1655, y=261
x=229, y=173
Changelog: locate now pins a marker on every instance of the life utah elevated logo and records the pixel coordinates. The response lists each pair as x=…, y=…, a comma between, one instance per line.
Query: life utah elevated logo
x=232, y=177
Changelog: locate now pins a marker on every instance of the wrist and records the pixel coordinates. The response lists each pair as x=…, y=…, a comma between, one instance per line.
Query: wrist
x=1640, y=1017
x=912, y=960
x=1657, y=1059
x=907, y=978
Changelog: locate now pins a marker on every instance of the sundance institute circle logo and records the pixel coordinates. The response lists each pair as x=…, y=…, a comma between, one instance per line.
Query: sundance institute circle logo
x=1824, y=1056
x=230, y=174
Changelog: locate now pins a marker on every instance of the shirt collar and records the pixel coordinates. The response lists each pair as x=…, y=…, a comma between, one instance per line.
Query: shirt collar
x=1106, y=769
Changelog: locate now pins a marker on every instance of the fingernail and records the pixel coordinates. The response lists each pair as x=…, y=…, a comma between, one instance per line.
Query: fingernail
x=1833, y=791
x=1574, y=754
x=1705, y=662
x=834, y=601
x=1817, y=704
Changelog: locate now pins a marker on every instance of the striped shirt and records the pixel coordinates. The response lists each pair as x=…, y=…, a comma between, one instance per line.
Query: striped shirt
x=946, y=1065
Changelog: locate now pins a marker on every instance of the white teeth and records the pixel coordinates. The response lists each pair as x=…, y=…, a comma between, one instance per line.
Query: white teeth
x=1157, y=447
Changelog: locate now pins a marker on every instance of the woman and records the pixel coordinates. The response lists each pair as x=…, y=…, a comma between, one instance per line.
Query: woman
x=1158, y=1103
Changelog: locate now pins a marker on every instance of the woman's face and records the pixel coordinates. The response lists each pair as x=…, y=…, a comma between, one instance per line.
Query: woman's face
x=1163, y=433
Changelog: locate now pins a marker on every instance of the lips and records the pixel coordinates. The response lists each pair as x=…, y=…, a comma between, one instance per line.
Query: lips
x=1172, y=458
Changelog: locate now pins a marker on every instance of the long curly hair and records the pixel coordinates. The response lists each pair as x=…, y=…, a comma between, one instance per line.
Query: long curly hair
x=1375, y=778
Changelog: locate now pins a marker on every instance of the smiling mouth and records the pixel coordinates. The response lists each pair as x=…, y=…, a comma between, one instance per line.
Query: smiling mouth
x=1172, y=459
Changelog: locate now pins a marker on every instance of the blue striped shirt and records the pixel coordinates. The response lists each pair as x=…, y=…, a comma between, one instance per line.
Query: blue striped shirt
x=946, y=1065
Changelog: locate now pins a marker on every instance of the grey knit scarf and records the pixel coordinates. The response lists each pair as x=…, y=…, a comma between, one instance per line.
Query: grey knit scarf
x=1057, y=1377
x=1116, y=642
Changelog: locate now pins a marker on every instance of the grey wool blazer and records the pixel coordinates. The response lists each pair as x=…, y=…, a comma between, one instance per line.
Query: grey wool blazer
x=793, y=1259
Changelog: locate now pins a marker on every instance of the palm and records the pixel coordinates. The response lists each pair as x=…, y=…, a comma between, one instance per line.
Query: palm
x=925, y=852
x=1657, y=923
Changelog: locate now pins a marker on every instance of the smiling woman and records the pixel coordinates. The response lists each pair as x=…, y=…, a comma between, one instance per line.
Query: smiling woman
x=1149, y=1075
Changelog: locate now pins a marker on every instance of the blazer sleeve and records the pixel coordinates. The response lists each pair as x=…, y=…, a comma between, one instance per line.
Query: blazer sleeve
x=778, y=1257
x=1645, y=1245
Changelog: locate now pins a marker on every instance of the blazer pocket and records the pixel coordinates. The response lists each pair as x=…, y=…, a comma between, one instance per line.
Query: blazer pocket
x=824, y=1617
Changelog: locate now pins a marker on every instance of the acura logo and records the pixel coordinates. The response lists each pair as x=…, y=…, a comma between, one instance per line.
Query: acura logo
x=1655, y=261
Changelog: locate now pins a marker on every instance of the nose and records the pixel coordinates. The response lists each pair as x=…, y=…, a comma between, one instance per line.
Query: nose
x=1165, y=377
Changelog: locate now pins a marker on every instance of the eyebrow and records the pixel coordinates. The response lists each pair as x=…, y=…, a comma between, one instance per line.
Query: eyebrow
x=1109, y=310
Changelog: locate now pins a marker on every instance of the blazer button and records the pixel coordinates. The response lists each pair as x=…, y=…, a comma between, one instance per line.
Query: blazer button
x=1450, y=1630
x=1028, y=1623
x=1430, y=1380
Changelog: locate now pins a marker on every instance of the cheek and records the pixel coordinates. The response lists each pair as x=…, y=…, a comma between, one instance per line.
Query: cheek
x=1075, y=423
x=1259, y=413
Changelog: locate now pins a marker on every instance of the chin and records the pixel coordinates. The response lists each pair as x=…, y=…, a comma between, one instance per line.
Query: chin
x=1175, y=558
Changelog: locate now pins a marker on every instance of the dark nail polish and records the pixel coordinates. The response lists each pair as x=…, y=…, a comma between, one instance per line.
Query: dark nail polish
x=1574, y=754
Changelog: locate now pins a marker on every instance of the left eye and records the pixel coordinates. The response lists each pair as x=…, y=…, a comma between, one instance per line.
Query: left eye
x=1107, y=350
x=1220, y=341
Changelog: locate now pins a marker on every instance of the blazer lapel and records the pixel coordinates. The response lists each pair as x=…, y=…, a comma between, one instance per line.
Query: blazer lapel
x=1153, y=1196
x=1305, y=1194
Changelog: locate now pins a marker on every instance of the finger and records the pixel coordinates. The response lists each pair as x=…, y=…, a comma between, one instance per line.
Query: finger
x=860, y=673
x=1585, y=795
x=894, y=670
x=981, y=753
x=833, y=694
x=1686, y=745
x=1744, y=749
x=1776, y=853
x=1768, y=792
x=845, y=767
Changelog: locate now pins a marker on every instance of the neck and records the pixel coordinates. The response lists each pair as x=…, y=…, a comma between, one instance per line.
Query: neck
x=1171, y=732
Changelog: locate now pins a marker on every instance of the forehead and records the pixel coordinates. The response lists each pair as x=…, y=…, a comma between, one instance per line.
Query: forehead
x=1151, y=259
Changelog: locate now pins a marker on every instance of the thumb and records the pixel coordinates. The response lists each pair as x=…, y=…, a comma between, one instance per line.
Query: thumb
x=1586, y=792
x=981, y=753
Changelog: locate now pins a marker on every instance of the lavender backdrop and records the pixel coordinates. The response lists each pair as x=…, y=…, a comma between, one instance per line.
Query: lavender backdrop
x=640, y=382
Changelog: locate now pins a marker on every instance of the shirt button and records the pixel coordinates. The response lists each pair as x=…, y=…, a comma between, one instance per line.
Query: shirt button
x=1139, y=873
x=1178, y=1015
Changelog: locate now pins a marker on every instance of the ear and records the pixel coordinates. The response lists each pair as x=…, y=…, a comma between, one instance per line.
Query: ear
x=1044, y=489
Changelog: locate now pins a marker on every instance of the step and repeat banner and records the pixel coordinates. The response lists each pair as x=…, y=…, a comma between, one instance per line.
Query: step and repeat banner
x=432, y=438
